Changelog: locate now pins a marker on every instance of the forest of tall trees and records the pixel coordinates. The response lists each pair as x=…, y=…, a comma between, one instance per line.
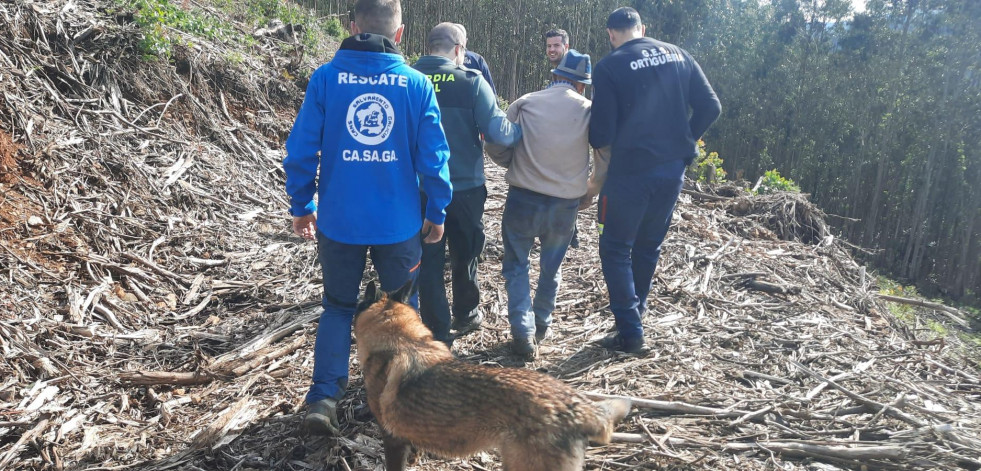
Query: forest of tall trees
x=876, y=114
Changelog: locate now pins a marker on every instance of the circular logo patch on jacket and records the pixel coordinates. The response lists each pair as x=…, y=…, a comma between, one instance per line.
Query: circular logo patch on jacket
x=370, y=119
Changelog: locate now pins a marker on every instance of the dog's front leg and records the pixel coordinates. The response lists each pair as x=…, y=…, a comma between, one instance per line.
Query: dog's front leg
x=396, y=452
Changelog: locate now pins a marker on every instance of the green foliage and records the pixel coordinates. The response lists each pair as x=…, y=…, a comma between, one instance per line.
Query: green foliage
x=159, y=19
x=707, y=164
x=903, y=312
x=412, y=58
x=937, y=327
x=873, y=136
x=971, y=339
x=234, y=58
x=774, y=182
x=261, y=13
x=258, y=11
x=334, y=28
x=162, y=21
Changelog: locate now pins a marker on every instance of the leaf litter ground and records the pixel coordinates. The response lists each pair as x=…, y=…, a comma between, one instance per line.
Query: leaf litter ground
x=156, y=313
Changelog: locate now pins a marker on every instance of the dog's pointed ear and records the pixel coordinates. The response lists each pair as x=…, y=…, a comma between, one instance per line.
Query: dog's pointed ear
x=371, y=295
x=404, y=294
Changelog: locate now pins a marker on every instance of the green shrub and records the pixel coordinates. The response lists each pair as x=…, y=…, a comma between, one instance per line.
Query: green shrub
x=316, y=30
x=706, y=165
x=333, y=27
x=159, y=18
x=773, y=182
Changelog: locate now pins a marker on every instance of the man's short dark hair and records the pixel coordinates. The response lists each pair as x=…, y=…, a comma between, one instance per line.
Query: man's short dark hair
x=558, y=33
x=623, y=19
x=378, y=16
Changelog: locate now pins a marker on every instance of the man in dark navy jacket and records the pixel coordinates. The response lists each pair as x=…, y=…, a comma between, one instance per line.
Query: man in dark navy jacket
x=472, y=60
x=651, y=103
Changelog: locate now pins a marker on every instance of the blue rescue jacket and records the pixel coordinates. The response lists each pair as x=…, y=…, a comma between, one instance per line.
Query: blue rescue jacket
x=375, y=123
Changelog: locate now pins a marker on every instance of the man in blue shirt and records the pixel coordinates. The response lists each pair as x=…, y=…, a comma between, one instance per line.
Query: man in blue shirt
x=367, y=132
x=651, y=103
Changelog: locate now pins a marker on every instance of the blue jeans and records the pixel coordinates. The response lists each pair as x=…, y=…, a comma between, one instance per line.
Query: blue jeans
x=529, y=215
x=634, y=215
x=343, y=268
x=464, y=234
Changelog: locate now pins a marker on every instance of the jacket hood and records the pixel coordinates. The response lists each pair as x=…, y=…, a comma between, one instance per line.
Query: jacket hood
x=367, y=54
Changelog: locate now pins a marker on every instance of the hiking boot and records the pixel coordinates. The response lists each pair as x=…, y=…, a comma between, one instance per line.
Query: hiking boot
x=541, y=333
x=524, y=348
x=321, y=418
x=620, y=344
x=465, y=326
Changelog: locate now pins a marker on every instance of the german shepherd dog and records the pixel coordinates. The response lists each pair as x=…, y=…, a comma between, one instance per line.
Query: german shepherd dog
x=424, y=397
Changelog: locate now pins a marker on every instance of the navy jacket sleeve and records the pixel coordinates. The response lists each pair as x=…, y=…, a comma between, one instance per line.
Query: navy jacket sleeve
x=431, y=158
x=485, y=72
x=603, y=116
x=302, y=147
x=491, y=121
x=705, y=105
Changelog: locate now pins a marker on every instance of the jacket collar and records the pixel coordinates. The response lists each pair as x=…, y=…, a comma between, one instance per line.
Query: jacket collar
x=437, y=61
x=561, y=83
x=368, y=42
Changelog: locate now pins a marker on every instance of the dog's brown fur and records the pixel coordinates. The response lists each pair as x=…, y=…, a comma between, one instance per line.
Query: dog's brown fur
x=421, y=395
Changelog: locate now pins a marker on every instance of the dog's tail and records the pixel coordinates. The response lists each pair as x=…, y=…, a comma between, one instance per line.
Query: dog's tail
x=599, y=427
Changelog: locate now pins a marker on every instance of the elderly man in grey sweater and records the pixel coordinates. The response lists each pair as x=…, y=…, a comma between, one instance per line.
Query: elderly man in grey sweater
x=549, y=177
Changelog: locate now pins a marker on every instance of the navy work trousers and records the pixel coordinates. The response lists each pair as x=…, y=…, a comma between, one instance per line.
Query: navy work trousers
x=633, y=215
x=343, y=268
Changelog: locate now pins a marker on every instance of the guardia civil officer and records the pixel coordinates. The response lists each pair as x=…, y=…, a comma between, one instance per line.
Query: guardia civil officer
x=469, y=110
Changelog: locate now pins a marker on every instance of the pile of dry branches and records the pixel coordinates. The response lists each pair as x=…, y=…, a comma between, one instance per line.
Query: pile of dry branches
x=156, y=313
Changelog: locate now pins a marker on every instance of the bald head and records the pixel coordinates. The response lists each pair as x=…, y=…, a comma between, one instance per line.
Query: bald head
x=445, y=37
x=462, y=28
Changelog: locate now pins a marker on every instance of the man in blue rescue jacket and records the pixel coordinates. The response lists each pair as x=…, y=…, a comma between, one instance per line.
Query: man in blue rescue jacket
x=469, y=110
x=375, y=124
x=651, y=103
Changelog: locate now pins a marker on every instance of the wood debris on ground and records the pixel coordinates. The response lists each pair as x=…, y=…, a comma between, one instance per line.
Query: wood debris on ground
x=156, y=313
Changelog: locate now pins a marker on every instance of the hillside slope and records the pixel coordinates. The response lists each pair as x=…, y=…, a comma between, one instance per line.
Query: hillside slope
x=157, y=313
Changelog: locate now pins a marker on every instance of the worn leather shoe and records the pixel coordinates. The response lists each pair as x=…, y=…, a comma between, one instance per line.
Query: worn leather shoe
x=524, y=348
x=321, y=418
x=464, y=326
x=541, y=333
x=620, y=344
